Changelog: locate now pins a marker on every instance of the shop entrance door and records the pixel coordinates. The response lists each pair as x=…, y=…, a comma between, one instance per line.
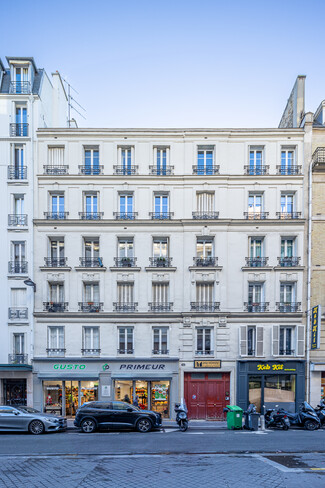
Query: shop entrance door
x=205, y=394
x=71, y=398
x=15, y=392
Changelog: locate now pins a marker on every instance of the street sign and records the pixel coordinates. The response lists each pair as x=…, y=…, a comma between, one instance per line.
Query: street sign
x=316, y=314
x=207, y=364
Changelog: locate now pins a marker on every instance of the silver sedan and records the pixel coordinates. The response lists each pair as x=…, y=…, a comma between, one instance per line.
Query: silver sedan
x=21, y=418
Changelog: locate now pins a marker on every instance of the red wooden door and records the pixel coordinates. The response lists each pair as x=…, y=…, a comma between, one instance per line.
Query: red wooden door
x=205, y=394
x=195, y=399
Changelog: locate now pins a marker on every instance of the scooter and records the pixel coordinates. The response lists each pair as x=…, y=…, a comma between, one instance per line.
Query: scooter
x=181, y=415
x=306, y=417
x=276, y=419
x=320, y=411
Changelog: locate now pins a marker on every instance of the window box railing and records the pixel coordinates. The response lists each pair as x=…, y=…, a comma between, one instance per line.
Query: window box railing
x=90, y=352
x=56, y=215
x=160, y=307
x=18, y=313
x=15, y=220
x=205, y=306
x=61, y=169
x=287, y=262
x=256, y=262
x=256, y=170
x=286, y=352
x=160, y=351
x=256, y=307
x=90, y=307
x=55, y=306
x=160, y=262
x=125, y=351
x=256, y=215
x=205, y=215
x=55, y=262
x=91, y=262
x=125, y=170
x=19, y=130
x=288, y=215
x=17, y=267
x=161, y=171
x=319, y=155
x=125, y=262
x=125, y=215
x=161, y=215
x=250, y=352
x=288, y=170
x=207, y=170
x=91, y=215
x=18, y=358
x=205, y=262
x=20, y=87
x=17, y=173
x=91, y=170
x=287, y=307
x=205, y=352
x=125, y=307
x=56, y=351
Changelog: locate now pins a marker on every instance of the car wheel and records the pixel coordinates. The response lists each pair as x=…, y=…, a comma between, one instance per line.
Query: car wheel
x=310, y=425
x=36, y=427
x=88, y=426
x=144, y=425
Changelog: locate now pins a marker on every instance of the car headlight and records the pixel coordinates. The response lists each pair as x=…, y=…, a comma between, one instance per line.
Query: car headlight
x=49, y=419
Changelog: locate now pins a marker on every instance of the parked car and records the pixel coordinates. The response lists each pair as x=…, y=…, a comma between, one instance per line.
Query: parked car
x=115, y=415
x=21, y=418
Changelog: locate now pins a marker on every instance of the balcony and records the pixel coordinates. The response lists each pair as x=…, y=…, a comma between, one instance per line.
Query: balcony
x=256, y=215
x=208, y=170
x=90, y=170
x=161, y=215
x=90, y=307
x=16, y=267
x=90, y=352
x=19, y=130
x=91, y=215
x=288, y=307
x=206, y=352
x=288, y=215
x=161, y=171
x=160, y=262
x=56, y=215
x=55, y=307
x=208, y=215
x=207, y=262
x=125, y=307
x=125, y=171
x=160, y=351
x=288, y=262
x=56, y=170
x=20, y=88
x=55, y=262
x=286, y=352
x=288, y=170
x=91, y=262
x=319, y=155
x=160, y=307
x=56, y=352
x=256, y=262
x=17, y=220
x=256, y=307
x=125, y=215
x=17, y=173
x=205, y=306
x=125, y=262
x=125, y=351
x=15, y=313
x=18, y=358
x=256, y=170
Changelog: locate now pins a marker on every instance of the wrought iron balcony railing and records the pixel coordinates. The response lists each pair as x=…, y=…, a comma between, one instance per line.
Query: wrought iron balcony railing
x=256, y=215
x=17, y=313
x=207, y=170
x=125, y=307
x=205, y=306
x=18, y=358
x=17, y=220
x=204, y=352
x=288, y=170
x=160, y=307
x=125, y=262
x=287, y=307
x=125, y=351
x=90, y=352
x=20, y=87
x=288, y=215
x=161, y=215
x=56, y=351
x=125, y=170
x=17, y=173
x=205, y=215
x=256, y=262
x=55, y=262
x=19, y=130
x=250, y=352
x=56, y=215
x=16, y=267
x=125, y=215
x=205, y=262
x=287, y=262
x=61, y=169
x=286, y=352
x=160, y=351
x=319, y=155
x=161, y=170
x=91, y=215
x=160, y=262
x=90, y=307
x=91, y=262
x=256, y=307
x=256, y=170
x=91, y=170
x=55, y=306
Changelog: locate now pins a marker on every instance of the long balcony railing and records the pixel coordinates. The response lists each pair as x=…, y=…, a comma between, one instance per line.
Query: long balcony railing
x=206, y=170
x=125, y=215
x=160, y=351
x=61, y=169
x=288, y=262
x=55, y=262
x=160, y=307
x=288, y=307
x=125, y=350
x=90, y=307
x=205, y=306
x=288, y=170
x=206, y=262
x=256, y=307
x=90, y=352
x=56, y=352
x=17, y=313
x=91, y=170
x=256, y=215
x=160, y=261
x=161, y=170
x=16, y=267
x=125, y=262
x=205, y=215
x=56, y=215
x=204, y=352
x=17, y=220
x=91, y=262
x=319, y=155
x=256, y=170
x=20, y=87
x=256, y=262
x=17, y=173
x=19, y=130
x=126, y=170
x=125, y=307
x=161, y=215
x=91, y=215
x=288, y=215
x=18, y=358
x=55, y=306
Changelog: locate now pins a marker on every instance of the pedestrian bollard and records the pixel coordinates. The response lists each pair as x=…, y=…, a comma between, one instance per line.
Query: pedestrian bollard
x=262, y=418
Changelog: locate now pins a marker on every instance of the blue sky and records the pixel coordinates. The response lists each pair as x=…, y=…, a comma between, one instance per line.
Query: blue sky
x=174, y=63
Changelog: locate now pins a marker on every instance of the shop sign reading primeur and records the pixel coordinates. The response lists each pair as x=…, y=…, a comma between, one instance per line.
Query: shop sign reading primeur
x=70, y=367
x=132, y=367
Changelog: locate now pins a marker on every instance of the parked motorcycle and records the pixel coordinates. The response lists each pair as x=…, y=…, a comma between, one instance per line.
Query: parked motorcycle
x=320, y=411
x=181, y=415
x=276, y=419
x=306, y=417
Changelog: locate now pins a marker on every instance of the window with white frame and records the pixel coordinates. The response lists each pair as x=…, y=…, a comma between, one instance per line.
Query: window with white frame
x=125, y=340
x=126, y=205
x=125, y=293
x=288, y=252
x=18, y=344
x=251, y=340
x=56, y=340
x=91, y=247
x=126, y=159
x=205, y=203
x=288, y=159
x=256, y=160
x=204, y=341
x=205, y=160
x=56, y=293
x=18, y=297
x=288, y=340
x=160, y=247
x=18, y=257
x=57, y=205
x=91, y=161
x=256, y=301
x=125, y=247
x=21, y=77
x=161, y=159
x=21, y=119
x=288, y=298
x=19, y=161
x=91, y=204
x=161, y=204
x=91, y=293
x=255, y=205
x=256, y=247
x=160, y=293
x=19, y=204
x=56, y=248
x=205, y=293
x=287, y=203
x=204, y=247
x=55, y=156
x=90, y=340
x=160, y=340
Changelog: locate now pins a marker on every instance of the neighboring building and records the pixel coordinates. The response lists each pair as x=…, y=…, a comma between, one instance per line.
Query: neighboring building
x=29, y=99
x=169, y=263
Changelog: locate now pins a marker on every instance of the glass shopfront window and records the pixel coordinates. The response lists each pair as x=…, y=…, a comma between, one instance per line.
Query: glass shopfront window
x=75, y=394
x=123, y=390
x=152, y=395
x=89, y=391
x=280, y=390
x=255, y=391
x=160, y=397
x=141, y=390
x=53, y=397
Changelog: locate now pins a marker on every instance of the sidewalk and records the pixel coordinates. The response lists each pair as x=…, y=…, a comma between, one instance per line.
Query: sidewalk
x=171, y=424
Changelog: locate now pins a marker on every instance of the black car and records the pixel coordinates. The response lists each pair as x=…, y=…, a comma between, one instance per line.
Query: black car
x=115, y=415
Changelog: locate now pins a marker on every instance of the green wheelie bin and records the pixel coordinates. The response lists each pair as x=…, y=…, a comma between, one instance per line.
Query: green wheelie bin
x=234, y=417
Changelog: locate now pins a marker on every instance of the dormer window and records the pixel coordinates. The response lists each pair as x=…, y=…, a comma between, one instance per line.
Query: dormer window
x=21, y=75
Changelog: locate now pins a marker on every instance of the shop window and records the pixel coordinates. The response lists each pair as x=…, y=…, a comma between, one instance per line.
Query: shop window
x=160, y=397
x=141, y=391
x=53, y=397
x=280, y=390
x=123, y=389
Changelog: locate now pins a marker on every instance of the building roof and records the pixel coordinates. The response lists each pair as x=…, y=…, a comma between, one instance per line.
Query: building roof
x=17, y=59
x=2, y=66
x=36, y=84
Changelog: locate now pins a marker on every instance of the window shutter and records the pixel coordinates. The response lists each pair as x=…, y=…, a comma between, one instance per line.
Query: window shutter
x=259, y=341
x=243, y=340
x=300, y=340
x=275, y=340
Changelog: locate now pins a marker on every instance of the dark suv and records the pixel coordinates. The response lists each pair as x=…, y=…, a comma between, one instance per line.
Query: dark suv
x=115, y=415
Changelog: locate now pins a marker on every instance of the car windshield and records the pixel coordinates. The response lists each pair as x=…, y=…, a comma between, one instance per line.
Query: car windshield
x=27, y=409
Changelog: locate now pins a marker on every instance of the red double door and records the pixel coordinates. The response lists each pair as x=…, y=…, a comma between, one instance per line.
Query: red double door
x=206, y=394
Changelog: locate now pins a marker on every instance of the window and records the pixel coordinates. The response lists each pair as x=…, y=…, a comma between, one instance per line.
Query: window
x=160, y=247
x=18, y=263
x=204, y=247
x=287, y=298
x=125, y=338
x=205, y=160
x=256, y=252
x=18, y=218
x=126, y=158
x=91, y=253
x=91, y=205
x=160, y=340
x=56, y=293
x=251, y=340
x=161, y=158
x=125, y=293
x=205, y=202
x=91, y=161
x=57, y=206
x=18, y=297
x=56, y=252
x=21, y=128
x=21, y=83
x=55, y=156
x=255, y=205
x=286, y=341
x=256, y=161
x=288, y=161
x=287, y=203
x=288, y=252
x=91, y=340
x=91, y=293
x=160, y=292
x=18, y=344
x=125, y=247
x=19, y=205
x=126, y=206
x=161, y=203
x=204, y=293
x=18, y=170
x=204, y=341
x=56, y=341
x=256, y=298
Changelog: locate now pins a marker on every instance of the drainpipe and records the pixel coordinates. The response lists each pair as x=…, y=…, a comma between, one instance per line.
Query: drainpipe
x=310, y=193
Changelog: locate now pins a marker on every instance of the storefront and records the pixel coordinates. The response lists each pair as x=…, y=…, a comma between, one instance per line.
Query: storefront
x=270, y=383
x=16, y=384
